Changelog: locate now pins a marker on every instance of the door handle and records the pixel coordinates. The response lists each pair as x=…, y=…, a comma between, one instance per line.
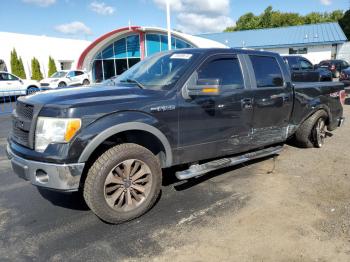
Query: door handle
x=285, y=98
x=247, y=103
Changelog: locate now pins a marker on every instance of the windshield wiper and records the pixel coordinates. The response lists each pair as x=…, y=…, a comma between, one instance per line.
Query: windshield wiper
x=129, y=80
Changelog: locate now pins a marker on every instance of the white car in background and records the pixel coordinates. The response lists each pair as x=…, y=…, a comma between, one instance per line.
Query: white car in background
x=11, y=85
x=65, y=78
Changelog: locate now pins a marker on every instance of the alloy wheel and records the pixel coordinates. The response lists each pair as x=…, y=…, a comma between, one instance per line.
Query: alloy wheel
x=127, y=185
x=320, y=132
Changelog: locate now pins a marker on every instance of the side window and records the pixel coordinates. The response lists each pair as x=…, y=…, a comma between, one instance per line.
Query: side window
x=226, y=70
x=78, y=73
x=267, y=71
x=71, y=74
x=3, y=77
x=292, y=62
x=306, y=65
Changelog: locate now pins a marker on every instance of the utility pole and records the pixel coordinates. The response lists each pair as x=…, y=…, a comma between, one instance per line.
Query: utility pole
x=168, y=23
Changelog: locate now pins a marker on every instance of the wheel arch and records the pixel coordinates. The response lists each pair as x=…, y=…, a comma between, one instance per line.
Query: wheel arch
x=315, y=110
x=125, y=128
x=33, y=86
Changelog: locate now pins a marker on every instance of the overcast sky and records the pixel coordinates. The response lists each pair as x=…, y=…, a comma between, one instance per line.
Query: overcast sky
x=88, y=19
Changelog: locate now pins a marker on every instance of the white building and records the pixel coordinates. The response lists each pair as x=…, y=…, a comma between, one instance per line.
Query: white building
x=116, y=51
x=316, y=42
x=65, y=52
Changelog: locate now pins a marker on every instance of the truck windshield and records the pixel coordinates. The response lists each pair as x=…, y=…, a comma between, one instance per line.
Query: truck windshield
x=160, y=71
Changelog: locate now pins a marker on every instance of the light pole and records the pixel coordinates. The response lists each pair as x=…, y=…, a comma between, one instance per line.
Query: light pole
x=168, y=23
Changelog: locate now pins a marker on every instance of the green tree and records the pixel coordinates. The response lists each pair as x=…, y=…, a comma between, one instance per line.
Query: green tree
x=313, y=18
x=245, y=22
x=344, y=22
x=271, y=18
x=52, y=66
x=22, y=73
x=17, y=67
x=266, y=18
x=36, y=72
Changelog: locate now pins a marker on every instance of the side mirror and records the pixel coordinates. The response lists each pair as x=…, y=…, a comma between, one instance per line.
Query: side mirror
x=21, y=81
x=205, y=87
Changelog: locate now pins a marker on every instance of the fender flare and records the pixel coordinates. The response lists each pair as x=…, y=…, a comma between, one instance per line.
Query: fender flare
x=95, y=142
x=318, y=108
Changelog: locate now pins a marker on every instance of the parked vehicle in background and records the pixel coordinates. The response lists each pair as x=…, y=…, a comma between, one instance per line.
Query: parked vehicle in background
x=302, y=70
x=11, y=85
x=335, y=66
x=202, y=109
x=65, y=78
x=345, y=78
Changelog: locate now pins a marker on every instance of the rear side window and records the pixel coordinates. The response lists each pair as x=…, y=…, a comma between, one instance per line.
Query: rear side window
x=227, y=70
x=306, y=65
x=78, y=73
x=292, y=62
x=267, y=71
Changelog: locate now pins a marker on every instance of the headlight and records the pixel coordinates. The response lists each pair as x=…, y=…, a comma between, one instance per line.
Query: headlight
x=55, y=130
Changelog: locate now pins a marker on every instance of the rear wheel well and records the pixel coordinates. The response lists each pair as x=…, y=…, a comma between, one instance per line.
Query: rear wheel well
x=139, y=137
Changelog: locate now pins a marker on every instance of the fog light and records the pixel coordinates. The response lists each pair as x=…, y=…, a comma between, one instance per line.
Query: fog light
x=41, y=176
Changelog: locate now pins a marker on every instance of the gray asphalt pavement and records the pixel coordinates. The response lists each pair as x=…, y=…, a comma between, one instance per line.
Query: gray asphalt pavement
x=293, y=208
x=50, y=226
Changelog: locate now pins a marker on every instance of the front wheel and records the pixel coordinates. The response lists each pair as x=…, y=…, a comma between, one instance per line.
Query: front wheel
x=86, y=82
x=123, y=183
x=62, y=85
x=32, y=90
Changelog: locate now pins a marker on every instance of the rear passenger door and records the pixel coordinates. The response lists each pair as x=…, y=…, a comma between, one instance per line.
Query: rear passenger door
x=216, y=125
x=273, y=100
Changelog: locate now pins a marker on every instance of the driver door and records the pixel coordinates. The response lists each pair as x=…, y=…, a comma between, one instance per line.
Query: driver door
x=216, y=125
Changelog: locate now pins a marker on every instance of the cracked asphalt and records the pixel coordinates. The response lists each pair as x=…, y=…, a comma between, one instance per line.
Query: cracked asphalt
x=291, y=208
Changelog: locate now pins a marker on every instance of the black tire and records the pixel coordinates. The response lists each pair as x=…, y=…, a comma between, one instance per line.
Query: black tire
x=62, y=84
x=86, y=82
x=32, y=90
x=305, y=136
x=95, y=184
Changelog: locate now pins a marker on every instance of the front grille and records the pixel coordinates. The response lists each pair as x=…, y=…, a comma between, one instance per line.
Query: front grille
x=22, y=121
x=24, y=110
x=20, y=136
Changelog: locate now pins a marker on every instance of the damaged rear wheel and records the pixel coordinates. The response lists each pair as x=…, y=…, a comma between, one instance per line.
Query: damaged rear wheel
x=312, y=132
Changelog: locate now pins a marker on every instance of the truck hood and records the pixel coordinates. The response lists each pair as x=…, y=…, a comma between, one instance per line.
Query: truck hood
x=92, y=95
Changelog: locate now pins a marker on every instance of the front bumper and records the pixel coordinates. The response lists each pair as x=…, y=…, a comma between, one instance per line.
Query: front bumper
x=63, y=177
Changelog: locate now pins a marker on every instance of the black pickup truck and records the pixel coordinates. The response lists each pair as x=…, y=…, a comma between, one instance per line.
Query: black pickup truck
x=201, y=109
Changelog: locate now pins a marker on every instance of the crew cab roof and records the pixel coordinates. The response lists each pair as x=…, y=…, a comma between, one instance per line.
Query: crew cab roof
x=209, y=51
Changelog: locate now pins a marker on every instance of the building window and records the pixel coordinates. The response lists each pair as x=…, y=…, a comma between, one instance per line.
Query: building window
x=159, y=42
x=301, y=51
x=122, y=54
x=116, y=58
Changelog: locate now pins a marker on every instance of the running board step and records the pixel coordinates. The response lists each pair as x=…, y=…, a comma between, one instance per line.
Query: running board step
x=199, y=170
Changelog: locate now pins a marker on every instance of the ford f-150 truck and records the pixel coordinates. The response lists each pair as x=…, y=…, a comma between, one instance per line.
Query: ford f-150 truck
x=201, y=109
